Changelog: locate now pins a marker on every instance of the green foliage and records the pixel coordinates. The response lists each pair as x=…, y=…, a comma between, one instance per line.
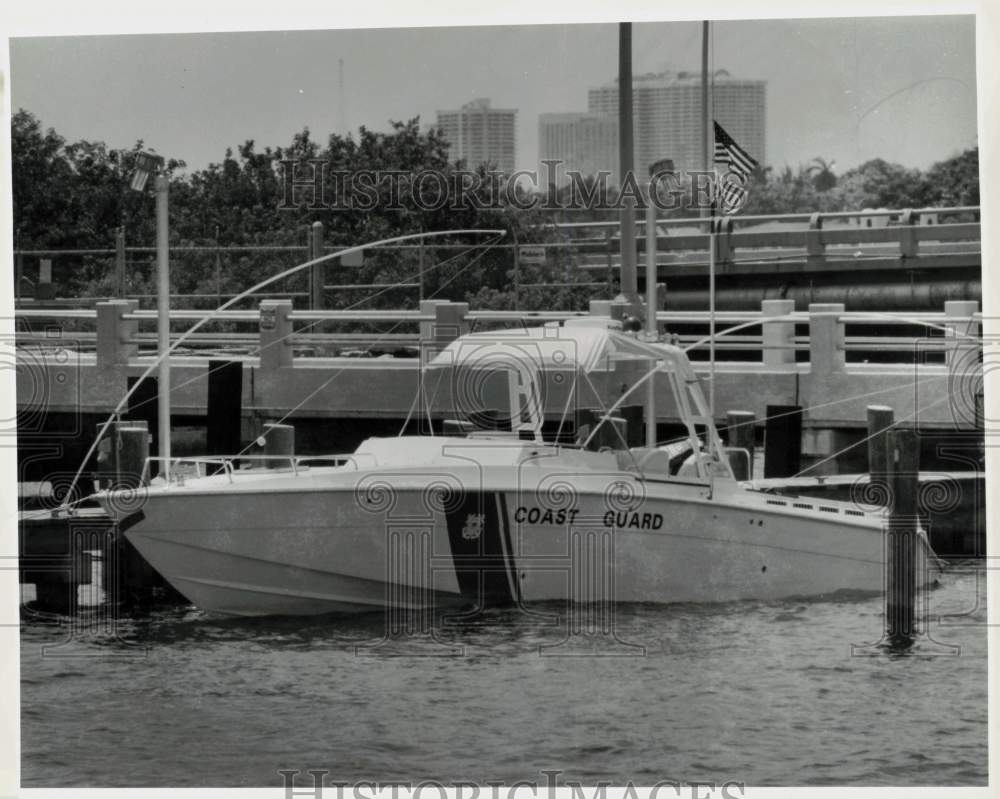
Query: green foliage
x=873, y=184
x=75, y=195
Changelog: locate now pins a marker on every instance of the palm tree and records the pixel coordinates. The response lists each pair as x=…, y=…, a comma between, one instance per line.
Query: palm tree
x=823, y=176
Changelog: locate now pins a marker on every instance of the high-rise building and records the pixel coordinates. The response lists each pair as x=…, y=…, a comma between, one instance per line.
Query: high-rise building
x=667, y=115
x=587, y=143
x=480, y=134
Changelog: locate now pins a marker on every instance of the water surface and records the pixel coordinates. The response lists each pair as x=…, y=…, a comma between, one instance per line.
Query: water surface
x=760, y=693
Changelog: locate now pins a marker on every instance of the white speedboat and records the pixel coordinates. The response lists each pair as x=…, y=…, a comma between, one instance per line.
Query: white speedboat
x=503, y=516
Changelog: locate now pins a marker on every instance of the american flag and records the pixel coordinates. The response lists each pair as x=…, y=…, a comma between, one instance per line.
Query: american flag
x=739, y=165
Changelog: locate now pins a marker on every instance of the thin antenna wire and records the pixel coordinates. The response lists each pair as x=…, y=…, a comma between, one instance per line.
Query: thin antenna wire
x=253, y=289
x=341, y=111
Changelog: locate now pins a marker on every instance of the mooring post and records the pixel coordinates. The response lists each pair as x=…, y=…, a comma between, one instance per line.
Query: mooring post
x=740, y=435
x=130, y=453
x=903, y=455
x=225, y=407
x=782, y=441
x=880, y=421
x=279, y=445
x=123, y=452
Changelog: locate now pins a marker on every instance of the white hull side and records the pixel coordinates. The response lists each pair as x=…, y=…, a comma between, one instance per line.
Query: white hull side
x=338, y=553
x=326, y=557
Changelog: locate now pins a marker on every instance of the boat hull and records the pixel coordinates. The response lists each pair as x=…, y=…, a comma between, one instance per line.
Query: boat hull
x=356, y=545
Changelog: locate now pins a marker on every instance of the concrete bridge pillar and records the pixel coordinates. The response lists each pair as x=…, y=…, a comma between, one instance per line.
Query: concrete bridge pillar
x=962, y=344
x=909, y=221
x=600, y=308
x=964, y=330
x=275, y=334
x=826, y=338
x=449, y=323
x=815, y=248
x=778, y=337
x=113, y=333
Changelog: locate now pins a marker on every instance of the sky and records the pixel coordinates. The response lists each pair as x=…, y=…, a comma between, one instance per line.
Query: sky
x=900, y=88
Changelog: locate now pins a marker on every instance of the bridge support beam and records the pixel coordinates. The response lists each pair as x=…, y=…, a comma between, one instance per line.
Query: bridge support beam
x=962, y=358
x=114, y=347
x=275, y=334
x=826, y=338
x=778, y=338
x=449, y=323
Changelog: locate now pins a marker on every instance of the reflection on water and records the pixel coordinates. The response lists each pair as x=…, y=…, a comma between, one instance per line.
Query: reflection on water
x=766, y=693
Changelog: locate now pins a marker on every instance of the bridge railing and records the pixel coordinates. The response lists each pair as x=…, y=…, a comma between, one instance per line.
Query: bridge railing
x=583, y=252
x=826, y=339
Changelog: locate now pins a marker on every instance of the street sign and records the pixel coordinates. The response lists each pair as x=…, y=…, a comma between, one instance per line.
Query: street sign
x=531, y=255
x=356, y=258
x=268, y=317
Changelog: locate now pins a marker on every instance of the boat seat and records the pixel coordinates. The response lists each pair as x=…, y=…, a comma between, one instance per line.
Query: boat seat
x=665, y=460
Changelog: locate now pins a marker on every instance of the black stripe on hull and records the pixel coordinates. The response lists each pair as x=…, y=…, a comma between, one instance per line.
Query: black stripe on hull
x=483, y=564
x=131, y=521
x=509, y=548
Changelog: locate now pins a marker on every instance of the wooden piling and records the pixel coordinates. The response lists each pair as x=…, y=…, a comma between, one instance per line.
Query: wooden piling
x=225, y=407
x=903, y=455
x=123, y=453
x=143, y=406
x=279, y=442
x=131, y=453
x=880, y=420
x=740, y=435
x=783, y=441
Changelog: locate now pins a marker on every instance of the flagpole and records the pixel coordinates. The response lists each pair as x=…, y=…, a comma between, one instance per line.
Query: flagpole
x=711, y=317
x=651, y=307
x=706, y=147
x=706, y=151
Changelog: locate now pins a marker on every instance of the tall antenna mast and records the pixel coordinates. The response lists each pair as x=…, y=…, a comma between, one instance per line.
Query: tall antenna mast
x=706, y=145
x=706, y=109
x=341, y=111
x=626, y=160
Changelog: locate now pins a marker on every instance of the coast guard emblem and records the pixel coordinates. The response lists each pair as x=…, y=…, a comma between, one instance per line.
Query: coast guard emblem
x=473, y=526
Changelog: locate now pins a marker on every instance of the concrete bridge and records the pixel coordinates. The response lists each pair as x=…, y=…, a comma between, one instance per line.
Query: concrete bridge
x=881, y=260
x=73, y=380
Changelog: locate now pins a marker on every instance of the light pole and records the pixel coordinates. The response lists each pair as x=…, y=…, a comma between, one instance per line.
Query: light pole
x=163, y=317
x=651, y=305
x=147, y=164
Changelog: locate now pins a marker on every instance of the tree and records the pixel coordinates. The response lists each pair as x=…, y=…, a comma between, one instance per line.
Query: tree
x=880, y=184
x=74, y=195
x=823, y=178
x=955, y=182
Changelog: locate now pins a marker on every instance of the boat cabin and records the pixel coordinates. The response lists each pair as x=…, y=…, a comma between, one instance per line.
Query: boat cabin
x=556, y=371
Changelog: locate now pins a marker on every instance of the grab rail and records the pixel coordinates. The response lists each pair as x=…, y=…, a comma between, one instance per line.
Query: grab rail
x=227, y=464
